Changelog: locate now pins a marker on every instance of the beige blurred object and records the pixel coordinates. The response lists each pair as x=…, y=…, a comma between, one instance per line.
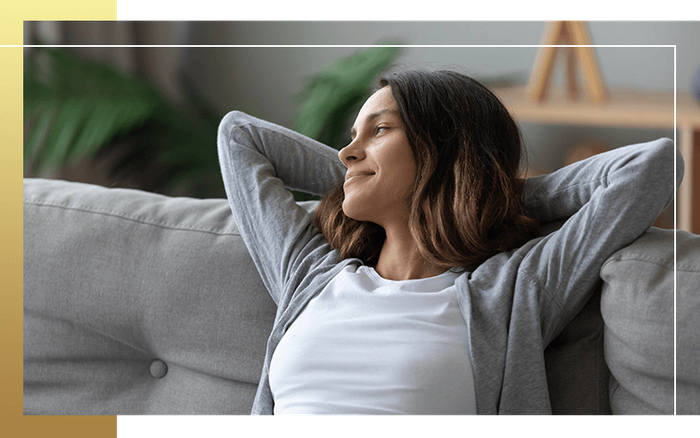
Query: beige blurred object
x=574, y=41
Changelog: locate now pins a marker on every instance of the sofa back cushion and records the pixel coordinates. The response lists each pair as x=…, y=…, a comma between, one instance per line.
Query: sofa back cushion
x=638, y=309
x=137, y=303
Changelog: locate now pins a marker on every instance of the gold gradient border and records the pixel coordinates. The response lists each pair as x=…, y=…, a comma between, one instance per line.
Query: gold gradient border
x=12, y=15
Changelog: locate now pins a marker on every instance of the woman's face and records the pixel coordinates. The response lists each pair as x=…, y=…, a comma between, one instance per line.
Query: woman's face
x=380, y=162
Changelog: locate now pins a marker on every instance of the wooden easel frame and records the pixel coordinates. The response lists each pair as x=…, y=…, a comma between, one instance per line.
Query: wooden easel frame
x=576, y=42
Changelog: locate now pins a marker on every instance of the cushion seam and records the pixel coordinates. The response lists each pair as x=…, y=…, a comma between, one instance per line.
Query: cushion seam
x=119, y=215
x=653, y=261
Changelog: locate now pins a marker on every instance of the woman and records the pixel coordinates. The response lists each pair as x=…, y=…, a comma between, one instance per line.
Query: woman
x=421, y=286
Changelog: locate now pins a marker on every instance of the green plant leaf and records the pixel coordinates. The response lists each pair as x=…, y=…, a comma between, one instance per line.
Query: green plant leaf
x=74, y=107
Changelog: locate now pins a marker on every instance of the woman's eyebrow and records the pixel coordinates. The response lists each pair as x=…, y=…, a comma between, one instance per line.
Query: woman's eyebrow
x=373, y=116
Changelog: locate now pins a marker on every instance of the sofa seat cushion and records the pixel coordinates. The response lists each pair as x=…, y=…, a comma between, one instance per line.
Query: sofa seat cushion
x=638, y=308
x=138, y=303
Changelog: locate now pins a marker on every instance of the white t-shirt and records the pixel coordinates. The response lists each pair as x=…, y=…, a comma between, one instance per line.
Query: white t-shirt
x=367, y=345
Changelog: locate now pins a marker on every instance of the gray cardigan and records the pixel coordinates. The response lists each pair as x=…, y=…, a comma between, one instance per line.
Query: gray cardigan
x=514, y=303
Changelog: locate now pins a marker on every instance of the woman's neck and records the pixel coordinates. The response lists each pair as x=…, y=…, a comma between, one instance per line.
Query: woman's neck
x=400, y=259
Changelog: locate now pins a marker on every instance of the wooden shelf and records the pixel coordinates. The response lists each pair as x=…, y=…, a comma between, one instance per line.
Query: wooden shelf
x=626, y=109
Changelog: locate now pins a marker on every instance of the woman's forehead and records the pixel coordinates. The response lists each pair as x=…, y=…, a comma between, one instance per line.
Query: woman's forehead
x=379, y=104
x=380, y=98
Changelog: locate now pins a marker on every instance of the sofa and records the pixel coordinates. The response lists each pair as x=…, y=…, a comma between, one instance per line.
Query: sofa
x=140, y=303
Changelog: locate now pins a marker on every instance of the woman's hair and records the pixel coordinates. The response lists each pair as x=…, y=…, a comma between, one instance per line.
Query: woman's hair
x=465, y=204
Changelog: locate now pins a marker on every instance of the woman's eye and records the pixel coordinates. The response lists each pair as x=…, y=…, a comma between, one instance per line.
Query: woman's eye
x=380, y=129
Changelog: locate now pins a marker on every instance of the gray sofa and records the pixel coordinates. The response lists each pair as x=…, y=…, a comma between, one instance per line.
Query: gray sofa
x=138, y=303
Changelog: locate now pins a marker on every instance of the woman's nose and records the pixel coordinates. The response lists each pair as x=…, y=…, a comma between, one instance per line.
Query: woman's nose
x=350, y=153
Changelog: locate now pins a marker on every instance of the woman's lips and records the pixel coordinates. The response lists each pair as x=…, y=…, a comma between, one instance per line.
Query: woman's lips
x=356, y=174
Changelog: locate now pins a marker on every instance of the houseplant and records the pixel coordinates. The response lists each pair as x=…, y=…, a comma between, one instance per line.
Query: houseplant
x=76, y=109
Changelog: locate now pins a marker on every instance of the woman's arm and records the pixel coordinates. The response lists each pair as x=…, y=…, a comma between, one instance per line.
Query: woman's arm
x=608, y=201
x=260, y=163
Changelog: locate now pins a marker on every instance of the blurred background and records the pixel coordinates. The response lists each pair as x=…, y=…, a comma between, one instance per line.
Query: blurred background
x=146, y=117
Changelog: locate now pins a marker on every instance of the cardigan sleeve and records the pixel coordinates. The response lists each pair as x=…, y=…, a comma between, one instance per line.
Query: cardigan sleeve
x=608, y=201
x=261, y=162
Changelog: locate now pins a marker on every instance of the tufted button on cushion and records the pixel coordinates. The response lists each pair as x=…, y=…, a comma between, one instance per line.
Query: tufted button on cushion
x=158, y=369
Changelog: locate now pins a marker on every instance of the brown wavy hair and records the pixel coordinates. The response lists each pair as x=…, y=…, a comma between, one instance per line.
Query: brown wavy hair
x=466, y=199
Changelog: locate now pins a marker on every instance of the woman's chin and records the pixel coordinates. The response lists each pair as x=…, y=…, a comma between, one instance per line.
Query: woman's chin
x=352, y=210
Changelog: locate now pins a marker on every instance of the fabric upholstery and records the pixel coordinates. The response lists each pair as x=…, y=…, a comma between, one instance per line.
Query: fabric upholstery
x=115, y=280
x=638, y=309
